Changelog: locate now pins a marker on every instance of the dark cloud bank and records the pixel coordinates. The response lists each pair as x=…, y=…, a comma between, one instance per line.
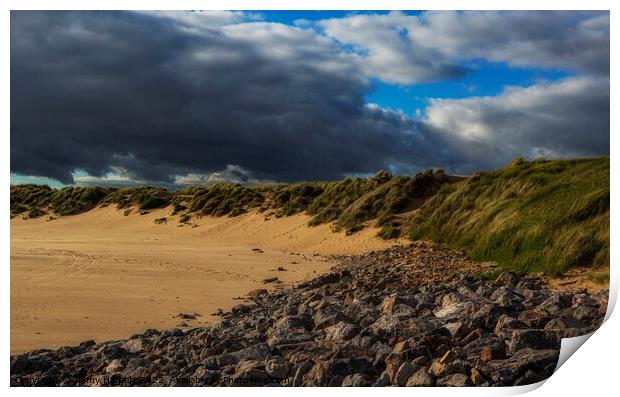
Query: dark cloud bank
x=154, y=96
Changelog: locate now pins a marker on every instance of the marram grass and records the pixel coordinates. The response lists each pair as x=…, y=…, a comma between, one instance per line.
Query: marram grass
x=529, y=217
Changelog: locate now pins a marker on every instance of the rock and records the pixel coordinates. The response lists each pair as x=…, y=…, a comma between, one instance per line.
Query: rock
x=287, y=331
x=258, y=351
x=474, y=349
x=257, y=292
x=133, y=345
x=250, y=373
x=187, y=316
x=383, y=380
x=387, y=307
x=88, y=343
x=276, y=367
x=457, y=329
x=488, y=314
x=535, y=318
x=541, y=361
x=324, y=371
x=393, y=361
x=404, y=373
x=207, y=377
x=588, y=314
x=474, y=335
x=455, y=380
x=489, y=354
x=19, y=364
x=113, y=353
x=451, y=299
x=420, y=379
x=448, y=357
x=301, y=371
x=270, y=280
x=529, y=338
x=385, y=326
x=115, y=366
x=507, y=278
x=507, y=296
x=564, y=323
x=355, y=380
x=505, y=324
x=327, y=317
x=528, y=378
x=448, y=364
x=390, y=317
x=453, y=311
x=324, y=279
x=477, y=378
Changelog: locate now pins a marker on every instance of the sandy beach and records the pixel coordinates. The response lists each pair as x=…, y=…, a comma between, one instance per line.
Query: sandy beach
x=102, y=275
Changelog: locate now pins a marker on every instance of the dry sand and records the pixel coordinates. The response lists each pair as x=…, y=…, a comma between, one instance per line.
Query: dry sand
x=102, y=275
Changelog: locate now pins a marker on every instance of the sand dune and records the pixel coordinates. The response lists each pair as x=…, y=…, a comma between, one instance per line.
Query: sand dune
x=102, y=275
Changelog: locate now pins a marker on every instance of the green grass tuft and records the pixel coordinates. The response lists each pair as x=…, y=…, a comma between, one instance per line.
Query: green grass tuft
x=66, y=201
x=531, y=216
x=145, y=197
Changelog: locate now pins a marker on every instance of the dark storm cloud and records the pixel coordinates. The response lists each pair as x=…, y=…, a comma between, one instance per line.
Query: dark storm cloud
x=151, y=96
x=157, y=98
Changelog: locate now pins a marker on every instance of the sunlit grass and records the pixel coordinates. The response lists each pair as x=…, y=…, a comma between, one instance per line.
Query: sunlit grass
x=532, y=216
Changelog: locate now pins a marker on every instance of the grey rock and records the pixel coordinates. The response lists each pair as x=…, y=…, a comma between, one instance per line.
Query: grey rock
x=507, y=278
x=341, y=331
x=529, y=338
x=355, y=380
x=133, y=345
x=455, y=380
x=276, y=367
x=420, y=379
x=404, y=373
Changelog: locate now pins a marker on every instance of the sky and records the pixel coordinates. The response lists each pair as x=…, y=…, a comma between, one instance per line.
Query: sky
x=195, y=97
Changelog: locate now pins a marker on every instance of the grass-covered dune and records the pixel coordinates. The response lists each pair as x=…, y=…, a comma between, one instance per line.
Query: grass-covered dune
x=349, y=203
x=531, y=216
x=37, y=200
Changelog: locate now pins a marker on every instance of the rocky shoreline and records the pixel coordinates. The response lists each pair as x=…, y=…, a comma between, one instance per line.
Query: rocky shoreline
x=406, y=316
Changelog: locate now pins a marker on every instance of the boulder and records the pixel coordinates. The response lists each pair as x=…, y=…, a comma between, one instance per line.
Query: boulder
x=403, y=374
x=341, y=331
x=393, y=361
x=454, y=380
x=543, y=361
x=355, y=380
x=276, y=367
x=529, y=338
x=507, y=278
x=115, y=366
x=489, y=354
x=420, y=379
x=133, y=345
x=506, y=324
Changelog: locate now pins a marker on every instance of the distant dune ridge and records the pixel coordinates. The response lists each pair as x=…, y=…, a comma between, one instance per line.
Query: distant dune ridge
x=530, y=216
x=349, y=202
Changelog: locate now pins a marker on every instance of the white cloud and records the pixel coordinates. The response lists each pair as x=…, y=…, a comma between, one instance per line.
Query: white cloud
x=405, y=49
x=562, y=119
x=197, y=20
x=383, y=41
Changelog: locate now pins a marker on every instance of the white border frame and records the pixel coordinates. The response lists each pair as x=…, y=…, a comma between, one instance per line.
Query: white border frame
x=592, y=370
